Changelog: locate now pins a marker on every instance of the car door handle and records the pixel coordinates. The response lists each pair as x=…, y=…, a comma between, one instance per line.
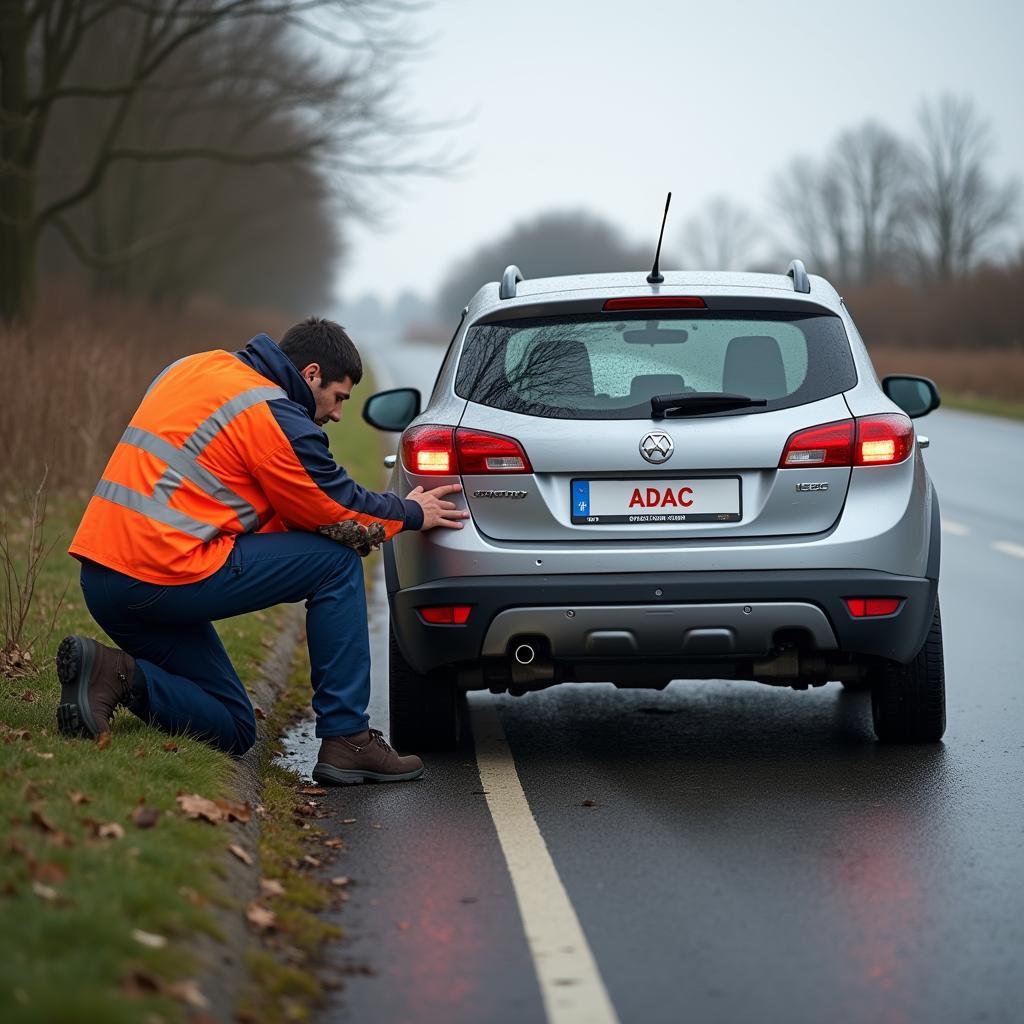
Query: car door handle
x=390, y=460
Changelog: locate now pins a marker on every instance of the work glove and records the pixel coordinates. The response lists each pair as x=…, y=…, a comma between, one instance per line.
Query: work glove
x=363, y=539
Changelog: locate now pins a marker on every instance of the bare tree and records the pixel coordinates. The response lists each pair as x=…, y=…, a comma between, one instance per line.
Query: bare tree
x=872, y=168
x=849, y=213
x=814, y=210
x=341, y=111
x=721, y=237
x=959, y=209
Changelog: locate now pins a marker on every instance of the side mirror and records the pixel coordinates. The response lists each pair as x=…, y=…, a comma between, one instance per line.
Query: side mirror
x=392, y=410
x=916, y=396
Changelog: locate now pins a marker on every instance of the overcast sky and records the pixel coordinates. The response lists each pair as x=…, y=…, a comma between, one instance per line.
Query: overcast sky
x=605, y=105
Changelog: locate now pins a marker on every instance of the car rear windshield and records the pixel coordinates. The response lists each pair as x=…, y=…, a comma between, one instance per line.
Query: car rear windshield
x=610, y=368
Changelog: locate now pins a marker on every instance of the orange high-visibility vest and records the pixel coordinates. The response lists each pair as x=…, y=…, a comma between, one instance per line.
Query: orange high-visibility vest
x=222, y=444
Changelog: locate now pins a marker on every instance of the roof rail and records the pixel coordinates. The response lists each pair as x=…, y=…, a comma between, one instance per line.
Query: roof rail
x=512, y=276
x=798, y=272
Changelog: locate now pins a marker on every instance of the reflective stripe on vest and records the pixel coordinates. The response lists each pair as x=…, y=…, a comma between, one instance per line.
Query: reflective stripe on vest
x=126, y=497
x=186, y=466
x=182, y=465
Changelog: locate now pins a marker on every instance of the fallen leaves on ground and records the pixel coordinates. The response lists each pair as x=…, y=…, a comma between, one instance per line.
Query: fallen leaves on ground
x=139, y=752
x=260, y=917
x=103, y=741
x=271, y=887
x=30, y=696
x=77, y=798
x=171, y=747
x=145, y=817
x=41, y=821
x=48, y=872
x=16, y=661
x=139, y=983
x=9, y=734
x=341, y=881
x=313, y=791
x=240, y=853
x=197, y=899
x=213, y=811
x=148, y=939
x=259, y=712
x=44, y=892
x=334, y=844
x=103, y=829
x=187, y=991
x=589, y=803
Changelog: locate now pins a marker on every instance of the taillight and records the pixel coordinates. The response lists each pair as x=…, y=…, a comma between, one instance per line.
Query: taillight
x=443, y=451
x=429, y=449
x=828, y=445
x=883, y=440
x=867, y=607
x=446, y=614
x=867, y=441
x=481, y=452
x=655, y=302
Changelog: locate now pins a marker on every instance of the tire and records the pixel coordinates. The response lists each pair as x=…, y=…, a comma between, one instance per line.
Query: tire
x=428, y=710
x=908, y=702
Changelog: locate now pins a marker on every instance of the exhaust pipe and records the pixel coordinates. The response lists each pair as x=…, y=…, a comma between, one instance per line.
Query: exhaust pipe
x=525, y=654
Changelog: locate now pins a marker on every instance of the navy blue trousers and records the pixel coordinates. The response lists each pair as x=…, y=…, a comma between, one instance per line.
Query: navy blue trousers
x=190, y=684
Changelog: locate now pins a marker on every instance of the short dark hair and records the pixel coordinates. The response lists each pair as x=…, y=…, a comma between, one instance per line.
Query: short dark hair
x=316, y=340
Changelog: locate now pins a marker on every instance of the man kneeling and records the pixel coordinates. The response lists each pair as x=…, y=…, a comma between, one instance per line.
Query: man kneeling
x=222, y=498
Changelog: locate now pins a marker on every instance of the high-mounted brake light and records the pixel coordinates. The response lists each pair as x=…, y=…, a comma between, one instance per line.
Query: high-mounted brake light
x=867, y=441
x=442, y=451
x=867, y=607
x=446, y=614
x=429, y=449
x=482, y=452
x=655, y=302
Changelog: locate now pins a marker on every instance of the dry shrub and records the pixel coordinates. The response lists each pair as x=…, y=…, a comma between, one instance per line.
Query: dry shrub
x=982, y=311
x=982, y=374
x=74, y=375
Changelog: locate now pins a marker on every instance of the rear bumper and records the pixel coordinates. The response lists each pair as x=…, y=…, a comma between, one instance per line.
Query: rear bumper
x=675, y=617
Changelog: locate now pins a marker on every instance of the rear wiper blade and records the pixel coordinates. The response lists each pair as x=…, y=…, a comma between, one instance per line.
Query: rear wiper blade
x=696, y=403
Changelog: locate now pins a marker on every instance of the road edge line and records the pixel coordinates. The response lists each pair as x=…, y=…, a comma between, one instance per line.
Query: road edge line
x=570, y=984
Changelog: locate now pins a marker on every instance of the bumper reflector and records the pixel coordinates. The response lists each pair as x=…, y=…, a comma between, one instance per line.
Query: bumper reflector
x=446, y=614
x=866, y=607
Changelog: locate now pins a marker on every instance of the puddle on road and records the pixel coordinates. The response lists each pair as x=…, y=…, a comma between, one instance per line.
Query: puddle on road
x=299, y=745
x=299, y=748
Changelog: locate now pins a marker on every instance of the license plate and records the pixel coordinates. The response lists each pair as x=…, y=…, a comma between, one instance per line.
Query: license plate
x=683, y=500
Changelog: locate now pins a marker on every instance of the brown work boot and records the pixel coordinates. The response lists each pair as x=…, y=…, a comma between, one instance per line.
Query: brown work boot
x=366, y=757
x=94, y=680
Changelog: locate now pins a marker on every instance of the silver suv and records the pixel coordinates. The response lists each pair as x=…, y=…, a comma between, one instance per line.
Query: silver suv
x=700, y=478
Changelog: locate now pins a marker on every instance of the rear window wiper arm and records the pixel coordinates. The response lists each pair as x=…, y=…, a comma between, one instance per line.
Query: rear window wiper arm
x=696, y=403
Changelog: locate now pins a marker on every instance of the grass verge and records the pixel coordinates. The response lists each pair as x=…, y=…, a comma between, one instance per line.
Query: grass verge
x=284, y=983
x=989, y=406
x=103, y=880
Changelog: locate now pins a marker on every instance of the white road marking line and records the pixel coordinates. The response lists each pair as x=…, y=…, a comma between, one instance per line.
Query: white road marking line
x=570, y=984
x=1007, y=547
x=957, y=529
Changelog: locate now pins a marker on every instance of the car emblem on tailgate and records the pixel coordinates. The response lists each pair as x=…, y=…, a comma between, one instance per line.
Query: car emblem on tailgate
x=656, y=447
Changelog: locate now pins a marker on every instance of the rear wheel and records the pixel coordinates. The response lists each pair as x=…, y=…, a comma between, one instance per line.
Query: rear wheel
x=908, y=702
x=427, y=709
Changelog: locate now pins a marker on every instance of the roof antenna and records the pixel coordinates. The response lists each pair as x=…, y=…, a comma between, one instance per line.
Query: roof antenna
x=655, y=276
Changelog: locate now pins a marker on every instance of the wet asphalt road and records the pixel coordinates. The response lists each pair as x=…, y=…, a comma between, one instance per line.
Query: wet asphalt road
x=752, y=852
